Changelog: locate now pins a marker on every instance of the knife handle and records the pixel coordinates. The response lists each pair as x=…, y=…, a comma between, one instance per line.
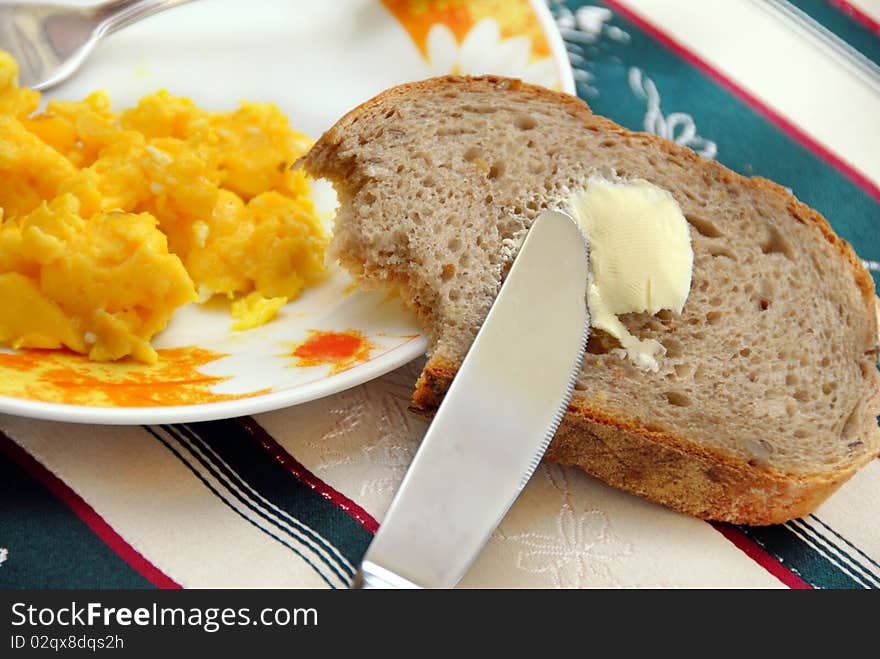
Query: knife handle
x=373, y=577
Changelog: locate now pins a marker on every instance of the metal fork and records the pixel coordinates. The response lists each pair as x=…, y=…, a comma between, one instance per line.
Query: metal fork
x=51, y=41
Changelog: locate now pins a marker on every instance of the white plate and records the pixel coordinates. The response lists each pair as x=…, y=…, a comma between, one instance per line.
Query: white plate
x=316, y=60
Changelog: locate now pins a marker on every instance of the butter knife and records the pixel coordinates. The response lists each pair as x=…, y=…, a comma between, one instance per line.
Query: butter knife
x=496, y=420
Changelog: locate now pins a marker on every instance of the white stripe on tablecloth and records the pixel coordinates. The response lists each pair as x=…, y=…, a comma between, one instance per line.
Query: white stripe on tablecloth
x=848, y=518
x=786, y=69
x=154, y=502
x=268, y=517
x=832, y=552
x=855, y=554
x=795, y=19
x=322, y=546
x=870, y=8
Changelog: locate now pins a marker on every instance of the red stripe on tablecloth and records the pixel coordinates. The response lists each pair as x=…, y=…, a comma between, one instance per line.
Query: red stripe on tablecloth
x=761, y=557
x=856, y=14
x=304, y=476
x=87, y=514
x=784, y=124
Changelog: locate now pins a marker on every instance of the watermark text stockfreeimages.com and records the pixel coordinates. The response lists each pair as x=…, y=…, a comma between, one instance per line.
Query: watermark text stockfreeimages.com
x=209, y=619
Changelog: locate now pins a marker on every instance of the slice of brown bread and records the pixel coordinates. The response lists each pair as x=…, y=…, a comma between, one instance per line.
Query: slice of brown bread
x=766, y=399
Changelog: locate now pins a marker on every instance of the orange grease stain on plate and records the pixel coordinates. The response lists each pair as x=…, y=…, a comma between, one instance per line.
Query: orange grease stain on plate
x=340, y=350
x=55, y=376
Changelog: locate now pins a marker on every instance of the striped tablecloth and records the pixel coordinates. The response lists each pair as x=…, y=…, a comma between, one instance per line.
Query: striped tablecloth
x=788, y=89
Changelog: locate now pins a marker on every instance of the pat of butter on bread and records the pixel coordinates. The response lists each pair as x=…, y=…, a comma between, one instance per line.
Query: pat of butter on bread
x=640, y=258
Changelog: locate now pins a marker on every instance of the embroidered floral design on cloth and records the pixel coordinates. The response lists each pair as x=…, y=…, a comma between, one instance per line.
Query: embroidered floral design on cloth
x=583, y=545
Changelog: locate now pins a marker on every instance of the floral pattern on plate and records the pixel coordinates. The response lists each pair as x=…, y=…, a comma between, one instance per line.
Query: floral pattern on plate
x=504, y=37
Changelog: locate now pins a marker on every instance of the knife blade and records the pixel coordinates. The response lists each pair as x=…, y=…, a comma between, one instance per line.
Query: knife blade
x=496, y=420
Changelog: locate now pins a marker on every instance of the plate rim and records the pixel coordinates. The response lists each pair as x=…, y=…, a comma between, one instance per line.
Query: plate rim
x=274, y=400
x=557, y=46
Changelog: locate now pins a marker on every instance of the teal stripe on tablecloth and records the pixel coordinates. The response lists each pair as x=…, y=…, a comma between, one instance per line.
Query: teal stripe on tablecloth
x=47, y=545
x=799, y=557
x=179, y=450
x=845, y=27
x=238, y=449
x=844, y=554
x=746, y=141
x=204, y=462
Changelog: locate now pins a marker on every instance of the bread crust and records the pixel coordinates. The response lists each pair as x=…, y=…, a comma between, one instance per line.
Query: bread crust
x=661, y=467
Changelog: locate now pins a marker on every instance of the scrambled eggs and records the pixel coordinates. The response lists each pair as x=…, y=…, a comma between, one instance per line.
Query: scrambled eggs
x=110, y=221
